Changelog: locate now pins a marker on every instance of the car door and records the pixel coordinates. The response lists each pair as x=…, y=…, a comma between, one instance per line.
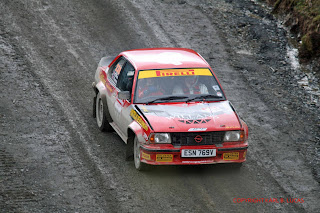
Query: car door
x=123, y=107
x=113, y=76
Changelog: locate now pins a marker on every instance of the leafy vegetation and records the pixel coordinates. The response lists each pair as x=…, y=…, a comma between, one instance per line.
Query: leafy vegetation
x=303, y=18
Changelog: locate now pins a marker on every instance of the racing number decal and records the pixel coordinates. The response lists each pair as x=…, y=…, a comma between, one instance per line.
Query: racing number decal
x=116, y=72
x=139, y=120
x=118, y=68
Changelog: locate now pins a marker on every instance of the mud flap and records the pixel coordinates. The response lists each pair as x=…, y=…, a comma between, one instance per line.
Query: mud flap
x=129, y=149
x=105, y=104
x=94, y=109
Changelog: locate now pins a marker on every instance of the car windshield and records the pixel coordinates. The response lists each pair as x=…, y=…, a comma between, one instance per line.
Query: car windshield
x=177, y=85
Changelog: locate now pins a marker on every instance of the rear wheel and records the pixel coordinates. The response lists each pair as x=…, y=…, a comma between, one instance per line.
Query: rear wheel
x=102, y=114
x=136, y=152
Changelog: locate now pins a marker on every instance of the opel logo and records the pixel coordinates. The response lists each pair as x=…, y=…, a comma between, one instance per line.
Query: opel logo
x=198, y=138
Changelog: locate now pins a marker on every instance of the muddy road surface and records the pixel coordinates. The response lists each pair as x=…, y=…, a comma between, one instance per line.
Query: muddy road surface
x=53, y=158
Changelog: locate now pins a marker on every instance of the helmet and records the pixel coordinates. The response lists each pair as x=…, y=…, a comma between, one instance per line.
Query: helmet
x=191, y=80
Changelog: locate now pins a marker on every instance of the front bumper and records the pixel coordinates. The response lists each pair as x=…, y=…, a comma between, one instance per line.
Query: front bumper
x=168, y=155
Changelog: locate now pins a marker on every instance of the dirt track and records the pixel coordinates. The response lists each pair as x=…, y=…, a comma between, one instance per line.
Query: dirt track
x=53, y=158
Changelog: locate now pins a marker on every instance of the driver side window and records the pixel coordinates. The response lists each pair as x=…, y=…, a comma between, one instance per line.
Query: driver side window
x=115, y=70
x=125, y=79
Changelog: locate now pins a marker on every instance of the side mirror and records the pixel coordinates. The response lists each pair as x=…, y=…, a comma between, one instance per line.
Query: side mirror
x=124, y=95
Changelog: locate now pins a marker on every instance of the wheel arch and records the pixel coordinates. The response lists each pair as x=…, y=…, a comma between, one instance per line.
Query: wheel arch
x=105, y=105
x=134, y=130
x=137, y=130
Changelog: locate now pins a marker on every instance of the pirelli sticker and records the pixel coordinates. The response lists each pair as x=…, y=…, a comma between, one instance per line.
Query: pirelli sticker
x=173, y=72
x=138, y=118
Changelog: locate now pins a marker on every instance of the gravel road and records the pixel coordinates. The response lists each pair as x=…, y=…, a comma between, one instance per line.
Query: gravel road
x=53, y=158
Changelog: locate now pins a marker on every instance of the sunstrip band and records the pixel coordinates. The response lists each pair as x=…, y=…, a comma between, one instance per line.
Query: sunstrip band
x=173, y=72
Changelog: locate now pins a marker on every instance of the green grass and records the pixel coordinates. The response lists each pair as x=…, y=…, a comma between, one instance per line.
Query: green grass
x=307, y=12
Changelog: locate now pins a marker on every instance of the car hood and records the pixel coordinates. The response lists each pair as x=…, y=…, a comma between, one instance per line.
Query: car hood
x=184, y=117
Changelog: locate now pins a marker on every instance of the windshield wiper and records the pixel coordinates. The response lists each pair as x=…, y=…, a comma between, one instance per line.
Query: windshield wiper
x=167, y=98
x=203, y=97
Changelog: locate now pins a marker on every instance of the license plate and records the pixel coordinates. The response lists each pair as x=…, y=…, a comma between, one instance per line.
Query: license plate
x=231, y=156
x=191, y=153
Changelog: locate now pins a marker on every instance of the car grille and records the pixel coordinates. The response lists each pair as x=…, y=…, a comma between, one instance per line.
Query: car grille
x=196, y=138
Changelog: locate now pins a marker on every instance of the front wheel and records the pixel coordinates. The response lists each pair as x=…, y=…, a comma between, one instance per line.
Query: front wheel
x=137, y=162
x=101, y=114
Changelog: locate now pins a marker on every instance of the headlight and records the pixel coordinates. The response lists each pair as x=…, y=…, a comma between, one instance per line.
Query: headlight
x=160, y=138
x=233, y=136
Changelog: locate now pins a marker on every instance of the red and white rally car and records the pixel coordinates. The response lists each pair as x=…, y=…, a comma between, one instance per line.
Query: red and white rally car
x=169, y=108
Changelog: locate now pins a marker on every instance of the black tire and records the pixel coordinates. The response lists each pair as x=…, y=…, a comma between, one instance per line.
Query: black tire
x=136, y=153
x=102, y=115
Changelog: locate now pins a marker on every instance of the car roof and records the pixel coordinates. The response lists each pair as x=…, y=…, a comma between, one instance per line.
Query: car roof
x=164, y=58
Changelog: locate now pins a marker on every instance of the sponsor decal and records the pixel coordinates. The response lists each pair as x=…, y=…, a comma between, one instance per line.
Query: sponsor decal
x=231, y=156
x=244, y=154
x=197, y=129
x=146, y=156
x=188, y=115
x=173, y=72
x=134, y=115
x=198, y=121
x=268, y=200
x=109, y=87
x=115, y=76
x=198, y=162
x=215, y=87
x=102, y=77
x=130, y=73
x=144, y=109
x=232, y=127
x=164, y=158
x=161, y=73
